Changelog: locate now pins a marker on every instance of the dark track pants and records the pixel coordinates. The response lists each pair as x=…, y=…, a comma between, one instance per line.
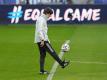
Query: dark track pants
x=47, y=48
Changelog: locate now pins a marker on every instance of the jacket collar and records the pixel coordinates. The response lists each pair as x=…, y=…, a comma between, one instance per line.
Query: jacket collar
x=45, y=17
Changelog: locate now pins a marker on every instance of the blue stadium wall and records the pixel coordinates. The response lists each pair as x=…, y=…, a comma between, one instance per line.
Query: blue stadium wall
x=27, y=14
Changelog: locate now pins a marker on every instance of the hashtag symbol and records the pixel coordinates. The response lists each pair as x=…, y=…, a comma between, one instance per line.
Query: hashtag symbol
x=16, y=14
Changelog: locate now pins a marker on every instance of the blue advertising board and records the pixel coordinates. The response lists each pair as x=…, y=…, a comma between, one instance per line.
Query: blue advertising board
x=28, y=14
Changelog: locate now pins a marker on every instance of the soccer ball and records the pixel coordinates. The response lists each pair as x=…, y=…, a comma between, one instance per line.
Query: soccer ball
x=65, y=48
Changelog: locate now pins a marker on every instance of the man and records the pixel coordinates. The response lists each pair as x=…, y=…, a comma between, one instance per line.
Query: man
x=27, y=2
x=41, y=38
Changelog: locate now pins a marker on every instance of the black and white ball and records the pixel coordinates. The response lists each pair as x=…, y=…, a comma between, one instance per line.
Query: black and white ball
x=65, y=47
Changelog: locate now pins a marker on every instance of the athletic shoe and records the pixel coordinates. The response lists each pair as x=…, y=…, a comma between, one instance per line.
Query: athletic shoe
x=65, y=63
x=44, y=72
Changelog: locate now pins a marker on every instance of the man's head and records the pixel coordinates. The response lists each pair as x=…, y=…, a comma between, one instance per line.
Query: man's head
x=48, y=11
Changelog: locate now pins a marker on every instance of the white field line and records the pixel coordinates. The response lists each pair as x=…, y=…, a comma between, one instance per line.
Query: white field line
x=55, y=65
x=53, y=70
x=86, y=62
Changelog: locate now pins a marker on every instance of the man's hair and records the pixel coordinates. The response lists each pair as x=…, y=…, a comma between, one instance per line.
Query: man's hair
x=48, y=10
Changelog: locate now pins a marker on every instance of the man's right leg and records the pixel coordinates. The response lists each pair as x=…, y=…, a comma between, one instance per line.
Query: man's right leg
x=42, y=57
x=55, y=56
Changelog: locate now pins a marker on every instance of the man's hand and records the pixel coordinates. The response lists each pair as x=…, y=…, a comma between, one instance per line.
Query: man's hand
x=42, y=43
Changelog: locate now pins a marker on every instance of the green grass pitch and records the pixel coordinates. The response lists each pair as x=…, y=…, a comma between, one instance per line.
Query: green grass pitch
x=19, y=56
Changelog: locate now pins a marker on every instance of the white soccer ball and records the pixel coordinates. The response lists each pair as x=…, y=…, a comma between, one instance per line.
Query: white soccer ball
x=65, y=47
